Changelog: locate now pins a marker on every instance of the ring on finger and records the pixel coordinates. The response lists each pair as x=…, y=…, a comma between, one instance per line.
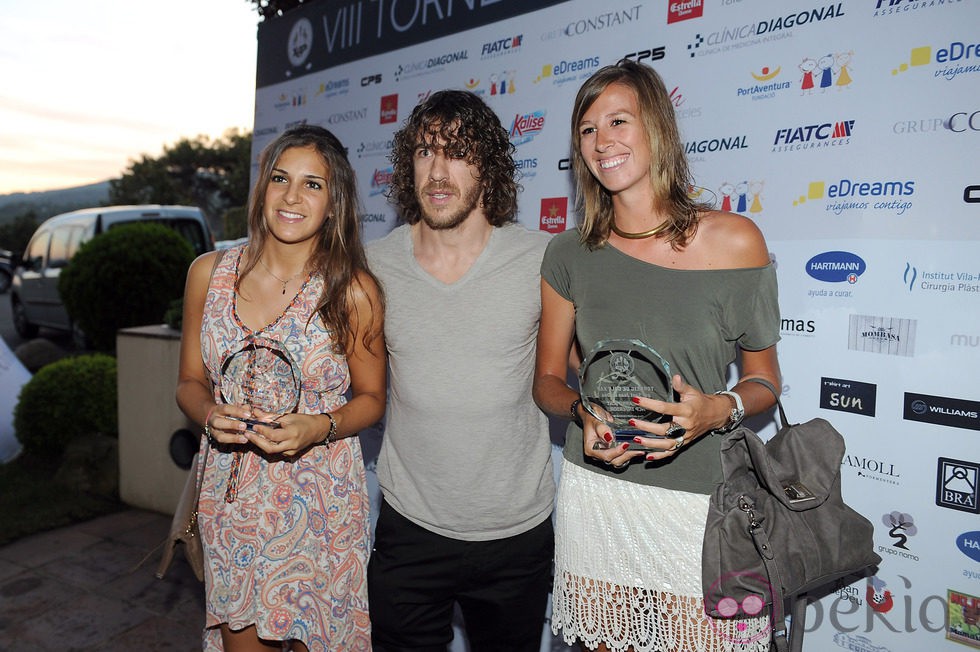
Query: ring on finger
x=676, y=432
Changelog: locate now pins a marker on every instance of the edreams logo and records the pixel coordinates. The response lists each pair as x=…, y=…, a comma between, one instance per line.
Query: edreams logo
x=951, y=55
x=836, y=267
x=567, y=71
x=848, y=195
x=969, y=544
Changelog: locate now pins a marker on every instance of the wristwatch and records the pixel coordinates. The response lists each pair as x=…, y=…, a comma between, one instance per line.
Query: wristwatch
x=737, y=414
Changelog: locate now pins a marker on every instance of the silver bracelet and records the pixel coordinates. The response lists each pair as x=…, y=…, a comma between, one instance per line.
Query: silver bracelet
x=332, y=433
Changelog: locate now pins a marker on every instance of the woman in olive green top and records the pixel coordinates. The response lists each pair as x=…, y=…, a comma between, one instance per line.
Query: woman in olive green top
x=695, y=284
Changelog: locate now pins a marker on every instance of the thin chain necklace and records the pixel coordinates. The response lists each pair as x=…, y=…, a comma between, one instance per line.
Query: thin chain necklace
x=283, y=281
x=660, y=228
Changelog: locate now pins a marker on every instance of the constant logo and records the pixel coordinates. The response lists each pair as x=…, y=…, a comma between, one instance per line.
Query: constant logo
x=594, y=23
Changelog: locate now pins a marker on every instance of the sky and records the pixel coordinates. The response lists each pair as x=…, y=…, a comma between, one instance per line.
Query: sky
x=86, y=87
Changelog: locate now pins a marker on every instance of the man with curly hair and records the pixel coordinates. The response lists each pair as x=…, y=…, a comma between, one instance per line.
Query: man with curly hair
x=465, y=466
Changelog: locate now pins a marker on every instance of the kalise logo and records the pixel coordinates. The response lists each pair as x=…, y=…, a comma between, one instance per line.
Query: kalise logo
x=525, y=127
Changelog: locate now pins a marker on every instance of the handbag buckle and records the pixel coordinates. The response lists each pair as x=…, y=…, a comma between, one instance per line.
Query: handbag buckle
x=797, y=492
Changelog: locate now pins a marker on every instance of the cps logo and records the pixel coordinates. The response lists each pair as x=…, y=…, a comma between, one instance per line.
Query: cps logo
x=653, y=54
x=371, y=79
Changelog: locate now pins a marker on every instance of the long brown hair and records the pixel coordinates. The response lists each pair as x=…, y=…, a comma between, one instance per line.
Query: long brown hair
x=338, y=255
x=465, y=124
x=669, y=172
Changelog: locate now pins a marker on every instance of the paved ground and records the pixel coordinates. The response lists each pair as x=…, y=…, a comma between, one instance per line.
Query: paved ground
x=81, y=589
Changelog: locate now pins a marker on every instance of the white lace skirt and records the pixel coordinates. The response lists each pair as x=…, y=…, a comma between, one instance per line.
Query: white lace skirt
x=628, y=570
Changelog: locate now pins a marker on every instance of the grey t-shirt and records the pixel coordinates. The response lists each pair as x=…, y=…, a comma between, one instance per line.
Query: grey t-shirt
x=466, y=452
x=695, y=319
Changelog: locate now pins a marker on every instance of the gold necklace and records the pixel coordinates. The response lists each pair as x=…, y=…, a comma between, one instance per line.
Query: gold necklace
x=660, y=228
x=283, y=281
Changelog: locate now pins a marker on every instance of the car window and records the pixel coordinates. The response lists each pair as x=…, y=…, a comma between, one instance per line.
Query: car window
x=61, y=245
x=190, y=230
x=37, y=250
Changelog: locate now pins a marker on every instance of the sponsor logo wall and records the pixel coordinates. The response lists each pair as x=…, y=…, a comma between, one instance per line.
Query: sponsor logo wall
x=846, y=130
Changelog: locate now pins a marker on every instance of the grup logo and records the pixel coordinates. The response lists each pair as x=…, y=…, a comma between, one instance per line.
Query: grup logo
x=836, y=267
x=900, y=526
x=969, y=544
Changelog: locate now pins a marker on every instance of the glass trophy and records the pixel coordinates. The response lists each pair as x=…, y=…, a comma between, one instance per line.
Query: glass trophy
x=262, y=374
x=613, y=373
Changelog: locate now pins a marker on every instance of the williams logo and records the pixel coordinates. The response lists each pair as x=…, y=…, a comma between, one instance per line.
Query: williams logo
x=888, y=335
x=956, y=485
x=836, y=267
x=942, y=410
x=848, y=396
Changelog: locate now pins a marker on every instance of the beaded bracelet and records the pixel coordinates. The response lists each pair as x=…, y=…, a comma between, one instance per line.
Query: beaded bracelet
x=332, y=433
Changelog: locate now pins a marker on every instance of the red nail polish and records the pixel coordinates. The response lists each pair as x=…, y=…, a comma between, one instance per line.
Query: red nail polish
x=632, y=422
x=626, y=447
x=637, y=440
x=607, y=437
x=636, y=400
x=651, y=458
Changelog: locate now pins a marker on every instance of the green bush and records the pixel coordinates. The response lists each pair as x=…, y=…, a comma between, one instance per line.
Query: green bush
x=73, y=397
x=235, y=223
x=125, y=277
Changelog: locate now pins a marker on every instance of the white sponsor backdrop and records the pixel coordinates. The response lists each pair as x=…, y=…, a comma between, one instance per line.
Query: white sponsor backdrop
x=847, y=130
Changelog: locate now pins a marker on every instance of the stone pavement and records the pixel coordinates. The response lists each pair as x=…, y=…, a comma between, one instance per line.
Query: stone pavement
x=78, y=589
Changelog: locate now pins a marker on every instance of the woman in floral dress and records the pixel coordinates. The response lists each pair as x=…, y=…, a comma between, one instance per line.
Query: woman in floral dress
x=277, y=331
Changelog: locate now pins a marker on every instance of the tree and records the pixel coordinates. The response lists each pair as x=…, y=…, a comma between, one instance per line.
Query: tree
x=210, y=174
x=15, y=235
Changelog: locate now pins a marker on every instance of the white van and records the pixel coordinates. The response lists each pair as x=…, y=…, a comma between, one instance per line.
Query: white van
x=34, y=293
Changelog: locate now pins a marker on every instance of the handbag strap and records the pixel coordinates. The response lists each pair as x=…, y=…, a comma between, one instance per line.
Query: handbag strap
x=783, y=421
x=795, y=643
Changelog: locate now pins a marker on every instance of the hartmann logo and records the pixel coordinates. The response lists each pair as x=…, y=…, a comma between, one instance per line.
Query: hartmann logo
x=836, y=267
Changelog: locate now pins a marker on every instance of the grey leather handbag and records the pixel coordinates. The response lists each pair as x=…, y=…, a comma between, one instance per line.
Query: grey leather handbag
x=777, y=527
